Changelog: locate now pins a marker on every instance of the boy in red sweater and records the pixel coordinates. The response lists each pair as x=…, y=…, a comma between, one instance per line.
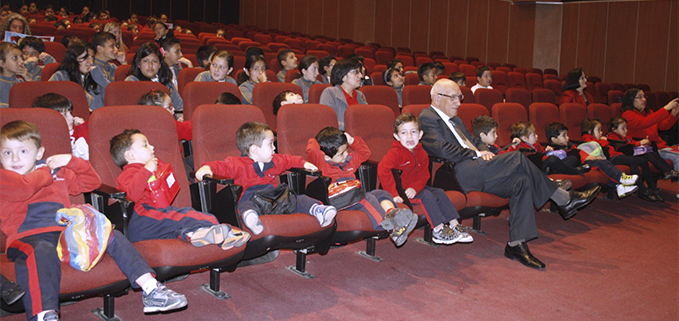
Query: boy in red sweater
x=329, y=152
x=154, y=219
x=408, y=155
x=31, y=193
x=257, y=171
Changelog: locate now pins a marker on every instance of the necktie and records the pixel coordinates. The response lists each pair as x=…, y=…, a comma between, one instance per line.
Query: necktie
x=463, y=137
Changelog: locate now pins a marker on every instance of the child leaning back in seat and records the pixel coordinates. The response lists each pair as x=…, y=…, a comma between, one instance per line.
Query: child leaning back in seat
x=154, y=217
x=329, y=151
x=257, y=171
x=407, y=155
x=31, y=193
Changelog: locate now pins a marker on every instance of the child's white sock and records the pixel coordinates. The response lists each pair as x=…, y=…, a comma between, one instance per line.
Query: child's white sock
x=149, y=286
x=438, y=227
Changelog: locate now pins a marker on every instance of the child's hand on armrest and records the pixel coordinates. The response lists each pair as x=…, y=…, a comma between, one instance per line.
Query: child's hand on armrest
x=310, y=167
x=350, y=139
x=152, y=165
x=205, y=170
x=57, y=161
x=410, y=192
x=516, y=141
x=398, y=199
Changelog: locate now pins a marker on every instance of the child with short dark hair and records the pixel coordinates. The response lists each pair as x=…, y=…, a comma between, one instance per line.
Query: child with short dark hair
x=172, y=55
x=218, y=69
x=204, y=54
x=161, y=99
x=407, y=155
x=394, y=79
x=484, y=78
x=254, y=72
x=557, y=136
x=592, y=132
x=227, y=98
x=77, y=127
x=325, y=68
x=459, y=78
x=329, y=152
x=257, y=171
x=288, y=61
x=32, y=191
x=308, y=69
x=106, y=49
x=440, y=68
x=33, y=50
x=427, y=73
x=11, y=65
x=285, y=98
x=154, y=217
x=485, y=128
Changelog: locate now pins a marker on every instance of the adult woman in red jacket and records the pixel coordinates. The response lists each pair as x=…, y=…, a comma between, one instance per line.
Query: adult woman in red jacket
x=574, y=89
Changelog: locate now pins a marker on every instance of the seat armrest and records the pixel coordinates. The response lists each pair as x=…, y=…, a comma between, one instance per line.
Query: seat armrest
x=305, y=172
x=223, y=204
x=110, y=192
x=117, y=212
x=399, y=187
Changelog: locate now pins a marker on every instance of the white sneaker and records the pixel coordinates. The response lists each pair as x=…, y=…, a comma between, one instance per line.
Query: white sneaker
x=162, y=299
x=251, y=220
x=323, y=213
x=628, y=179
x=625, y=190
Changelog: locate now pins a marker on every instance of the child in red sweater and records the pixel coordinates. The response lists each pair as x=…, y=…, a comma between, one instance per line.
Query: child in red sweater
x=31, y=193
x=257, y=171
x=155, y=217
x=407, y=155
x=329, y=152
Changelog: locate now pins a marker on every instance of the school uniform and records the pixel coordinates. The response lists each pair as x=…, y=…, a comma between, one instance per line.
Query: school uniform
x=6, y=84
x=477, y=86
x=174, y=93
x=107, y=68
x=206, y=76
x=305, y=85
x=35, y=69
x=652, y=157
x=339, y=100
x=638, y=166
x=281, y=75
x=549, y=164
x=399, y=95
x=246, y=89
x=95, y=98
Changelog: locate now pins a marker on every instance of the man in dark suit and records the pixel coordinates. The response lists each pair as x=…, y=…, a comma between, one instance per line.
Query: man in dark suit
x=509, y=175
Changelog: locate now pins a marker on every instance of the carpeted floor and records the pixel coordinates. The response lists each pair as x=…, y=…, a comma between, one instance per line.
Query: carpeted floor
x=615, y=260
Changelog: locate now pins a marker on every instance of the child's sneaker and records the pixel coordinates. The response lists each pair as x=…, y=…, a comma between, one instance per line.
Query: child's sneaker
x=235, y=238
x=450, y=235
x=323, y=213
x=625, y=190
x=214, y=234
x=628, y=179
x=400, y=235
x=251, y=220
x=460, y=235
x=163, y=299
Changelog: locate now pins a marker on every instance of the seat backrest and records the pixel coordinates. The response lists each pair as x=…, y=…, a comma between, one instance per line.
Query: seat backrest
x=551, y=71
x=56, y=49
x=298, y=123
x=315, y=92
x=615, y=96
x=519, y=95
x=662, y=97
x=517, y=80
x=412, y=79
x=416, y=95
x=554, y=86
x=382, y=95
x=542, y=114
x=488, y=97
x=601, y=112
x=129, y=92
x=572, y=115
x=468, y=70
x=383, y=56
x=107, y=122
x=377, y=77
x=536, y=71
x=520, y=70
x=422, y=60
x=533, y=81
x=504, y=69
x=616, y=109
x=541, y=95
x=214, y=130
x=53, y=129
x=450, y=67
x=415, y=109
x=22, y=94
x=292, y=75
x=48, y=70
x=187, y=75
x=468, y=111
x=468, y=95
x=617, y=86
x=602, y=89
x=264, y=94
x=121, y=72
x=373, y=123
x=500, y=81
x=407, y=60
x=205, y=92
x=507, y=114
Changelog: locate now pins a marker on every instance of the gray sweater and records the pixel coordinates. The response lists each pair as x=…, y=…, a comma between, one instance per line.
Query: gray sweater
x=246, y=91
x=305, y=85
x=95, y=98
x=6, y=84
x=334, y=97
x=206, y=76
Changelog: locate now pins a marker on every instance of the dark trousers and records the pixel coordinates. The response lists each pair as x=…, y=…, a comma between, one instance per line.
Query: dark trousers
x=510, y=175
x=657, y=161
x=638, y=166
x=371, y=206
x=614, y=174
x=303, y=204
x=555, y=165
x=38, y=269
x=166, y=223
x=437, y=206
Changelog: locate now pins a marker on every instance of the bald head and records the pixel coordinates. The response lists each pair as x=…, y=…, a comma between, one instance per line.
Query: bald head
x=444, y=96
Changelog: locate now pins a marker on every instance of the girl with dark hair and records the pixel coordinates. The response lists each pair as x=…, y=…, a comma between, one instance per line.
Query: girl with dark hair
x=308, y=68
x=78, y=67
x=161, y=32
x=574, y=89
x=346, y=79
x=394, y=79
x=642, y=123
x=253, y=73
x=148, y=65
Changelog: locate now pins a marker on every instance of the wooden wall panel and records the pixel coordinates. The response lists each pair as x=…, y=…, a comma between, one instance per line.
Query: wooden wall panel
x=315, y=17
x=592, y=38
x=401, y=24
x=287, y=19
x=522, y=28
x=300, y=15
x=439, y=24
x=621, y=42
x=383, y=22
x=248, y=11
x=346, y=19
x=419, y=26
x=478, y=28
x=569, y=37
x=457, y=31
x=672, y=78
x=651, y=55
x=364, y=23
x=331, y=18
x=260, y=14
x=498, y=32
x=273, y=14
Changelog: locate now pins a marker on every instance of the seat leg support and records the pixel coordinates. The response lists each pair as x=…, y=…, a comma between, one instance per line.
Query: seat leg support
x=300, y=266
x=213, y=287
x=369, y=252
x=428, y=236
x=107, y=313
x=476, y=225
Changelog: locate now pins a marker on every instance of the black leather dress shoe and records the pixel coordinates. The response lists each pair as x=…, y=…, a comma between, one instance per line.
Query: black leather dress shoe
x=578, y=201
x=522, y=254
x=672, y=174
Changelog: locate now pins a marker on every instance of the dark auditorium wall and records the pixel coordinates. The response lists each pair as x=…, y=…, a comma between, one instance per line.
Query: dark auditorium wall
x=625, y=42
x=598, y=36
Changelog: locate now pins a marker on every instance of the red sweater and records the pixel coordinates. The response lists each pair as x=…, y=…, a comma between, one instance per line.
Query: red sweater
x=133, y=181
x=242, y=169
x=360, y=154
x=605, y=145
x=573, y=96
x=414, y=164
x=523, y=145
x=44, y=193
x=184, y=129
x=640, y=125
x=628, y=139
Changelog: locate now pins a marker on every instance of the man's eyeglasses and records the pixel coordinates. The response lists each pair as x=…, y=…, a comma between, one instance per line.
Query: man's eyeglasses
x=452, y=97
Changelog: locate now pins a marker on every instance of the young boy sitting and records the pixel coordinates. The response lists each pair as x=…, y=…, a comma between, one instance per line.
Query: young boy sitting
x=484, y=78
x=154, y=217
x=106, y=49
x=485, y=127
x=557, y=136
x=407, y=155
x=257, y=171
x=77, y=127
x=285, y=98
x=288, y=61
x=32, y=191
x=329, y=151
x=33, y=50
x=427, y=73
x=172, y=55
